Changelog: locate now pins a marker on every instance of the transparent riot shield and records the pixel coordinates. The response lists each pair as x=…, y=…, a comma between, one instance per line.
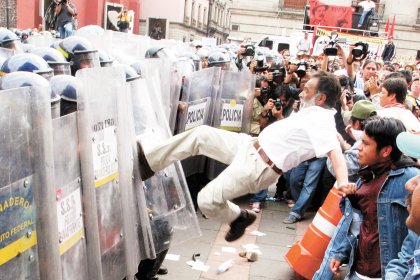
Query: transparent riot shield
x=99, y=129
x=126, y=47
x=68, y=182
x=41, y=39
x=197, y=106
x=233, y=108
x=169, y=205
x=28, y=218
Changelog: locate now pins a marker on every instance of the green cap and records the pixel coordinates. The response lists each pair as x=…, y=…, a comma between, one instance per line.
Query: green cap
x=363, y=109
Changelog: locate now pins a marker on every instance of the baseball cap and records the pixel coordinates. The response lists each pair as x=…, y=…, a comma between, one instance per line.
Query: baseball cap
x=363, y=109
x=409, y=144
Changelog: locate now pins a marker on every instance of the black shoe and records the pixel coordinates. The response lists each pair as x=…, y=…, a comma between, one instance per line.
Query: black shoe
x=162, y=270
x=145, y=171
x=238, y=226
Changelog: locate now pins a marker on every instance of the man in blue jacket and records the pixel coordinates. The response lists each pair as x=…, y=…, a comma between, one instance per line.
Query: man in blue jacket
x=372, y=236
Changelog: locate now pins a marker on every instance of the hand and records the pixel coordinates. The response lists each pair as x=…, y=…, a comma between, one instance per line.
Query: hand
x=340, y=52
x=373, y=85
x=278, y=114
x=293, y=68
x=349, y=131
x=269, y=105
x=413, y=183
x=345, y=189
x=350, y=56
x=335, y=267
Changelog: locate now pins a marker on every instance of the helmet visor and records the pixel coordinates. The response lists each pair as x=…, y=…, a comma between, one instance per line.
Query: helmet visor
x=60, y=68
x=86, y=60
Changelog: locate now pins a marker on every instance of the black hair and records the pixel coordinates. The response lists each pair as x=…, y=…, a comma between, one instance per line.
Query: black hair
x=368, y=61
x=385, y=131
x=396, y=86
x=328, y=85
x=394, y=75
x=346, y=82
x=407, y=76
x=373, y=116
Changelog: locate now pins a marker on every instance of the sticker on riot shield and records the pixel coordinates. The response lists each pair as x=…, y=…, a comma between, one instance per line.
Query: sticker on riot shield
x=70, y=219
x=231, y=116
x=197, y=113
x=104, y=151
x=17, y=220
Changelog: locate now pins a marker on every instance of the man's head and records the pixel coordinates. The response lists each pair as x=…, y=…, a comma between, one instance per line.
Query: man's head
x=415, y=87
x=409, y=144
x=369, y=69
x=322, y=89
x=305, y=35
x=390, y=40
x=393, y=91
x=362, y=110
x=379, y=142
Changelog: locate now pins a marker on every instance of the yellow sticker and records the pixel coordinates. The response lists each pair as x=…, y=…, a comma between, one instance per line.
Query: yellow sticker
x=2, y=74
x=233, y=102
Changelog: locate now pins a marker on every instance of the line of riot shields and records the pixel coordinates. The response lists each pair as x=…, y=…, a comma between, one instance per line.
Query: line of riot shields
x=73, y=204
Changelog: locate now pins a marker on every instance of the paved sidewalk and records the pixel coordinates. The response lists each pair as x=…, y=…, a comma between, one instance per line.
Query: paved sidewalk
x=270, y=265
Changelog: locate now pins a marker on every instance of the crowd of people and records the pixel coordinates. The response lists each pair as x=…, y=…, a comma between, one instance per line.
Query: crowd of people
x=316, y=122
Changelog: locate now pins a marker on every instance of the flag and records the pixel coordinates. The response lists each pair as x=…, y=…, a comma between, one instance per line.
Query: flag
x=391, y=32
x=387, y=26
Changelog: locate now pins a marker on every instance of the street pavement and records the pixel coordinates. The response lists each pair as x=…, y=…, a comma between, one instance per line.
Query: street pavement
x=212, y=248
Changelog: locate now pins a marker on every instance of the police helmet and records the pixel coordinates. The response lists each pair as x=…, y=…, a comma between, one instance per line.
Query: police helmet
x=79, y=52
x=89, y=30
x=27, y=48
x=195, y=58
x=65, y=86
x=219, y=59
x=27, y=62
x=55, y=60
x=105, y=59
x=137, y=67
x=153, y=52
x=9, y=40
x=160, y=52
x=130, y=73
x=25, y=79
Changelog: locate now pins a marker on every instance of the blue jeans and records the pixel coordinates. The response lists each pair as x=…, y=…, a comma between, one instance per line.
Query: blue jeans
x=259, y=196
x=364, y=15
x=308, y=172
x=66, y=30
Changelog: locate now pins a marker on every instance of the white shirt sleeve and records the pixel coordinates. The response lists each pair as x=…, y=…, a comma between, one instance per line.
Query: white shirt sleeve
x=323, y=136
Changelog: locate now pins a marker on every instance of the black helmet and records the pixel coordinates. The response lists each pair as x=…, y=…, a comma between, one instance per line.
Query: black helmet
x=79, y=52
x=153, y=52
x=137, y=67
x=195, y=58
x=130, y=73
x=65, y=86
x=25, y=79
x=55, y=60
x=9, y=40
x=219, y=59
x=277, y=64
x=29, y=63
x=105, y=59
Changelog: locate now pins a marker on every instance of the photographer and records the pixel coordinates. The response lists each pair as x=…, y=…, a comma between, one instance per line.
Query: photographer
x=124, y=24
x=64, y=13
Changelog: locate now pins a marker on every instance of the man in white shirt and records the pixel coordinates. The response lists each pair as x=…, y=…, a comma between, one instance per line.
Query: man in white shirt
x=256, y=163
x=304, y=44
x=368, y=8
x=392, y=97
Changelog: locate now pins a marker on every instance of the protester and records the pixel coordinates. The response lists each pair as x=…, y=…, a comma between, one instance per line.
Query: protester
x=65, y=11
x=304, y=44
x=389, y=51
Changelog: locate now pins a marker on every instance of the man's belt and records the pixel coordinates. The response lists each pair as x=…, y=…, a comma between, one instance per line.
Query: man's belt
x=265, y=158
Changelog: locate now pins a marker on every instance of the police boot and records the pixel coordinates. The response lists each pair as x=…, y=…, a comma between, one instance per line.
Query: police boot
x=145, y=171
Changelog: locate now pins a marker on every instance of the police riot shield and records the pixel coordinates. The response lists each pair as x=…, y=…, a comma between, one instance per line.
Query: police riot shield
x=126, y=47
x=28, y=217
x=233, y=109
x=68, y=183
x=169, y=205
x=197, y=106
x=44, y=39
x=99, y=129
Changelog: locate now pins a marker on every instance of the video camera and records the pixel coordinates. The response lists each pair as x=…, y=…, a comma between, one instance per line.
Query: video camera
x=260, y=66
x=302, y=67
x=360, y=51
x=331, y=49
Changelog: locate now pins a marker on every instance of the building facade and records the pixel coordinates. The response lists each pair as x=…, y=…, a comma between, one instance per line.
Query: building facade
x=259, y=18
x=185, y=20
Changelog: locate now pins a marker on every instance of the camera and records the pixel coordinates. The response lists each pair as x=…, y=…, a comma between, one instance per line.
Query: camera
x=345, y=87
x=249, y=50
x=302, y=67
x=360, y=51
x=264, y=93
x=278, y=104
x=260, y=66
x=331, y=49
x=63, y=1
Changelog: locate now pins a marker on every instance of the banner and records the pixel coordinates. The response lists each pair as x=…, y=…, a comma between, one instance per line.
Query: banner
x=330, y=15
x=322, y=38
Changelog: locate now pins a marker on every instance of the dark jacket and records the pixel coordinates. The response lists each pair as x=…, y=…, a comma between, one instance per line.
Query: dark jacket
x=389, y=52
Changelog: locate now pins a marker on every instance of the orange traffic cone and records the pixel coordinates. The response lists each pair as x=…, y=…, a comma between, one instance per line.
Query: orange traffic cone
x=305, y=256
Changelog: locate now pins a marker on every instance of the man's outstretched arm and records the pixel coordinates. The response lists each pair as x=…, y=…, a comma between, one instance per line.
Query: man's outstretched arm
x=341, y=173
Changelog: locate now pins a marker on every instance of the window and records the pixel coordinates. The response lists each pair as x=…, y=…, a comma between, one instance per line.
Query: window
x=205, y=14
x=235, y=27
x=193, y=19
x=295, y=4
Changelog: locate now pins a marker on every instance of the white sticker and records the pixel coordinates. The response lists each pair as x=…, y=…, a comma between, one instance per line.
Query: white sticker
x=69, y=213
x=231, y=117
x=104, y=152
x=196, y=115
